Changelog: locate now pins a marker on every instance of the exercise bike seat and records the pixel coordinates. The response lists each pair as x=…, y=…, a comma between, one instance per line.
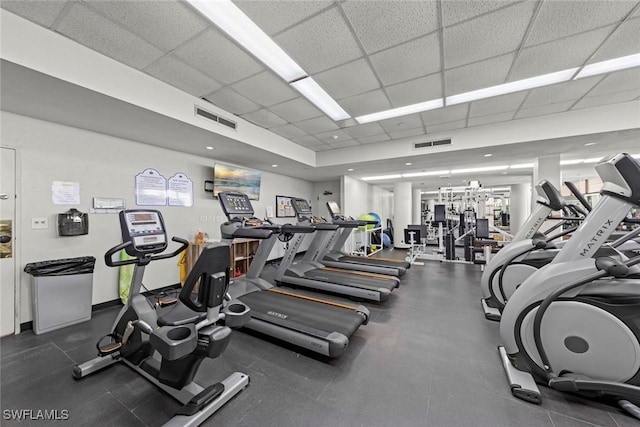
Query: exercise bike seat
x=180, y=314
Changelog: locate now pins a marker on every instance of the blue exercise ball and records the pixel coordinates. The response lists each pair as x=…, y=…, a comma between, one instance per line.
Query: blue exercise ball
x=377, y=218
x=386, y=240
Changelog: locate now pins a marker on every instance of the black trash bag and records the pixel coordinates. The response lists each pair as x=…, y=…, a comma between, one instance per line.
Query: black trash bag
x=61, y=267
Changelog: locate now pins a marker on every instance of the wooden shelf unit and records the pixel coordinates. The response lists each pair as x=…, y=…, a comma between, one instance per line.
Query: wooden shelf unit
x=242, y=253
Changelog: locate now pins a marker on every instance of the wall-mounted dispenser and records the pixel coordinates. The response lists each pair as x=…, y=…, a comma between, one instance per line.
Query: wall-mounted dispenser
x=73, y=223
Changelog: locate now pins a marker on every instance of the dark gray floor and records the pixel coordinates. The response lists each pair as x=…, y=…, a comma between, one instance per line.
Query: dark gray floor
x=427, y=358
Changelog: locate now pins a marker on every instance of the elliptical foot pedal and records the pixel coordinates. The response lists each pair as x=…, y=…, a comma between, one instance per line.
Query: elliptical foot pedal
x=522, y=384
x=110, y=347
x=201, y=399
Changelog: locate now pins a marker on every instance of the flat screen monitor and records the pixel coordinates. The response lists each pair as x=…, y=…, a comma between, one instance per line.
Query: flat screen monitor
x=439, y=213
x=234, y=179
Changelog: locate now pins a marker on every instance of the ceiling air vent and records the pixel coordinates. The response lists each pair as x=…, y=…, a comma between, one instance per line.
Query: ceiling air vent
x=215, y=118
x=427, y=144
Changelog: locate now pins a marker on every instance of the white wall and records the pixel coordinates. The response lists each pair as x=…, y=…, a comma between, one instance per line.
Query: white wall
x=105, y=166
x=360, y=197
x=319, y=201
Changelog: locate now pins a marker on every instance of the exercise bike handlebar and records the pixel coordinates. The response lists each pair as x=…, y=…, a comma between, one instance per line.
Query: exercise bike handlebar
x=108, y=256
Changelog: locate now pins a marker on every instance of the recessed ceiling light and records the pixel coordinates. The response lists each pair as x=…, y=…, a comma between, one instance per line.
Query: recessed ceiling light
x=401, y=111
x=430, y=173
x=614, y=64
x=321, y=99
x=589, y=143
x=484, y=169
x=209, y=147
x=274, y=166
x=408, y=164
x=350, y=169
x=488, y=155
x=504, y=173
x=371, y=178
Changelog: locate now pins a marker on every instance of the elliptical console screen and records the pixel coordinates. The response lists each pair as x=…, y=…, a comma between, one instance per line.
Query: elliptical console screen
x=143, y=228
x=235, y=204
x=301, y=207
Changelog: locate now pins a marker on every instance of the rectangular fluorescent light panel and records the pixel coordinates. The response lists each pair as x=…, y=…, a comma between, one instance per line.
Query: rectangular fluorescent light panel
x=517, y=86
x=615, y=64
x=230, y=19
x=401, y=111
x=521, y=166
x=416, y=174
x=571, y=162
x=372, y=178
x=321, y=99
x=483, y=169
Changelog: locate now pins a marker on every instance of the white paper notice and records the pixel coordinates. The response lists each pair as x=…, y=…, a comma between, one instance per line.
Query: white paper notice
x=65, y=193
x=180, y=192
x=151, y=188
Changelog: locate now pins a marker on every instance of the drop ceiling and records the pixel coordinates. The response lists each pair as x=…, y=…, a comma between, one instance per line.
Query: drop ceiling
x=369, y=56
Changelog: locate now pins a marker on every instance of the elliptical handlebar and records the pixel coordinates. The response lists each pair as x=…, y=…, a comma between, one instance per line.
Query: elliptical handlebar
x=108, y=256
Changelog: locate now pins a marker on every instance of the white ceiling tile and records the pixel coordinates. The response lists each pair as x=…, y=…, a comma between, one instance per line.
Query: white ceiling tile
x=264, y=118
x=479, y=75
x=559, y=55
x=98, y=33
x=317, y=125
x=343, y=144
x=366, y=103
x=618, y=82
x=566, y=91
x=178, y=74
x=289, y=131
x=320, y=43
x=561, y=18
x=231, y=101
x=373, y=139
x=333, y=136
x=415, y=91
x=217, y=56
x=275, y=16
x=409, y=60
x=446, y=114
x=296, y=110
x=407, y=133
x=165, y=24
x=490, y=35
x=446, y=127
x=265, y=89
x=381, y=24
x=624, y=41
x=307, y=141
x=494, y=118
x=454, y=11
x=40, y=12
x=402, y=123
x=544, y=110
x=367, y=129
x=497, y=104
x=348, y=79
x=610, y=98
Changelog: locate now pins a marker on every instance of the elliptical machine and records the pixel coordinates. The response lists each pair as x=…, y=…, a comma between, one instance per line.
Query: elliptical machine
x=168, y=349
x=574, y=325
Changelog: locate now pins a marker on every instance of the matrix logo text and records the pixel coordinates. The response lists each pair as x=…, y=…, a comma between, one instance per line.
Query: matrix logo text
x=36, y=414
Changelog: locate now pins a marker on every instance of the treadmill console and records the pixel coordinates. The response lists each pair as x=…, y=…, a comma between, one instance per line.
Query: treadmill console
x=145, y=230
x=334, y=209
x=302, y=207
x=235, y=205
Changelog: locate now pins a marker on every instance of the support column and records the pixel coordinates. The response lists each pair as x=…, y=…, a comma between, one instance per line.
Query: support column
x=520, y=206
x=401, y=212
x=431, y=206
x=417, y=206
x=547, y=167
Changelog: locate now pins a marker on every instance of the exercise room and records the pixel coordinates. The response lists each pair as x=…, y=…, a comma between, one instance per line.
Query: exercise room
x=287, y=213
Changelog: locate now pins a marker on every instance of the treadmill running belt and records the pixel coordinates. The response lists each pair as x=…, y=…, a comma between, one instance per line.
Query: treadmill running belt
x=376, y=261
x=324, y=275
x=304, y=312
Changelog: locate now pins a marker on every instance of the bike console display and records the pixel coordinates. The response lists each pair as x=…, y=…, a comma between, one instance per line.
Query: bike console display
x=145, y=230
x=302, y=207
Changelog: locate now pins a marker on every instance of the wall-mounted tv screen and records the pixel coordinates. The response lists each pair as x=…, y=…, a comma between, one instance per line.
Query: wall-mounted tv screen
x=233, y=178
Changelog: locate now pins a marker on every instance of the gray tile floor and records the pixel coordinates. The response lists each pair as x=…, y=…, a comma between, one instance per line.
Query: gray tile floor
x=427, y=358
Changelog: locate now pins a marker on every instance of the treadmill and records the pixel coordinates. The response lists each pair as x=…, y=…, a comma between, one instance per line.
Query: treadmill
x=332, y=255
x=312, y=274
x=312, y=323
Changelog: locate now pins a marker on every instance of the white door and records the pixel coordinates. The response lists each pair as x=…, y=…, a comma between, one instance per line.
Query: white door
x=7, y=240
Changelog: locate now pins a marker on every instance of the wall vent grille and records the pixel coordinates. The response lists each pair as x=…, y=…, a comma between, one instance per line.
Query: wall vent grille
x=215, y=118
x=419, y=145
